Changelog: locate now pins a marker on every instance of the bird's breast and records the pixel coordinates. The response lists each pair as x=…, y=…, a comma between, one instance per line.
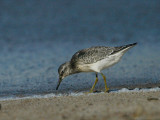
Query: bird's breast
x=105, y=63
x=102, y=64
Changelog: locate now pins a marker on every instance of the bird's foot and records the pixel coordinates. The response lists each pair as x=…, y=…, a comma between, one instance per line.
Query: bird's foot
x=106, y=90
x=94, y=91
x=91, y=91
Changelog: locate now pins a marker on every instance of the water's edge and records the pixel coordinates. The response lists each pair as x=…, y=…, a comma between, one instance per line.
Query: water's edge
x=51, y=95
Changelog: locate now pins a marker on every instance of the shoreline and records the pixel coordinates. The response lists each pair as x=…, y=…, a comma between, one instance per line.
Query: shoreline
x=63, y=91
x=51, y=95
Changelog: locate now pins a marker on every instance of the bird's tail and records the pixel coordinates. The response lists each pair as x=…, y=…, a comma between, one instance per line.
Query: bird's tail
x=129, y=45
x=124, y=47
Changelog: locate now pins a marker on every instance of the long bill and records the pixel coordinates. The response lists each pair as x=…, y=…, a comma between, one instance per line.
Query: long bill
x=59, y=82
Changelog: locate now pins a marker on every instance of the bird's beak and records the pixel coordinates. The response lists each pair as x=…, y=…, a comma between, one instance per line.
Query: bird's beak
x=59, y=82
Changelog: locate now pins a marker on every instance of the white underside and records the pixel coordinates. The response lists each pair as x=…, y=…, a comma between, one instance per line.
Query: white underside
x=103, y=64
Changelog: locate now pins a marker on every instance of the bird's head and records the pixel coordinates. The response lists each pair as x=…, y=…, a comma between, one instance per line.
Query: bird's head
x=64, y=70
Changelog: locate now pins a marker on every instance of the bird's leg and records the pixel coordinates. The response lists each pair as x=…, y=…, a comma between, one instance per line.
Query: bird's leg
x=94, y=83
x=104, y=77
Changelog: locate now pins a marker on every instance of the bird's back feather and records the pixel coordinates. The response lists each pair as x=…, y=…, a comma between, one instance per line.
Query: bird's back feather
x=94, y=54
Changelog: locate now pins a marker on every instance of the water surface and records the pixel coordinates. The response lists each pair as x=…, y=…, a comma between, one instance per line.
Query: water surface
x=37, y=37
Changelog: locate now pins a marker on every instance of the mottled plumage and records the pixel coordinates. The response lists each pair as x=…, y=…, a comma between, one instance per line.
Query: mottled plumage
x=91, y=55
x=94, y=54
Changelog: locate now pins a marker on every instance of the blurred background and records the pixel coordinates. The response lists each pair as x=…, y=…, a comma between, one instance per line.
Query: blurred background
x=38, y=36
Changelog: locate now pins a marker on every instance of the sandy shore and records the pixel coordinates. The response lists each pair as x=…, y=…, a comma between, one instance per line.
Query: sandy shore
x=112, y=106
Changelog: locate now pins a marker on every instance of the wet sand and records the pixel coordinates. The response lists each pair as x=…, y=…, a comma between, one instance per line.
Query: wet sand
x=112, y=106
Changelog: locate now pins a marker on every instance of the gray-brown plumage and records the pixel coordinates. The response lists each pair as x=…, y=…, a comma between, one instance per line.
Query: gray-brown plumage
x=94, y=54
x=92, y=59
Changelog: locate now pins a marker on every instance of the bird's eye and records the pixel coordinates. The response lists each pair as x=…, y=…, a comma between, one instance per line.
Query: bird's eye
x=62, y=72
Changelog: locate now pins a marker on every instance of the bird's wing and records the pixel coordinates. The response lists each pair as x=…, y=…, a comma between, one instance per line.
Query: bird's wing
x=91, y=55
x=94, y=54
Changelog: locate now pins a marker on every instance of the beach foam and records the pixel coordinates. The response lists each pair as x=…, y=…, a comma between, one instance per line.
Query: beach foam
x=123, y=90
x=139, y=90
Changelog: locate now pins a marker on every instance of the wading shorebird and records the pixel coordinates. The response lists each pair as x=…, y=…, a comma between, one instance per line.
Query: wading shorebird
x=93, y=59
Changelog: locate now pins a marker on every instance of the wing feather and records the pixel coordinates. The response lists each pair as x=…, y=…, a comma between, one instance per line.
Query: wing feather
x=91, y=55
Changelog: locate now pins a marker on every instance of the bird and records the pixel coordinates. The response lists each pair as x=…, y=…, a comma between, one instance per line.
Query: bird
x=93, y=59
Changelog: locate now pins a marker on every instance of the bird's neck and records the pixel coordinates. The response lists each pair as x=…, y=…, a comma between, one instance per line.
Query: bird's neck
x=72, y=69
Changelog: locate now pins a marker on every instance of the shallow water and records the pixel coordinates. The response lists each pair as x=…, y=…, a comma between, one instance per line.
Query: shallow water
x=37, y=37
